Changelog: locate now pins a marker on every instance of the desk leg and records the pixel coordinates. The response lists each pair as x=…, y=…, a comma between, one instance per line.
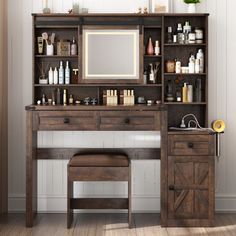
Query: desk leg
x=164, y=166
x=31, y=170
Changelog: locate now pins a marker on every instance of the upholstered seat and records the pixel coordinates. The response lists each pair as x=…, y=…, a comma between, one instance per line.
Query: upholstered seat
x=99, y=160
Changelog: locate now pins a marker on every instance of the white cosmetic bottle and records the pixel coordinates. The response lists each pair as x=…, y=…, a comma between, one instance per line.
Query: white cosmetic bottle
x=50, y=76
x=67, y=73
x=61, y=73
x=55, y=76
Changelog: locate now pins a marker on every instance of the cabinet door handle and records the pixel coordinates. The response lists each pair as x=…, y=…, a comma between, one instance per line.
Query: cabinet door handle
x=171, y=187
x=127, y=120
x=190, y=145
x=66, y=120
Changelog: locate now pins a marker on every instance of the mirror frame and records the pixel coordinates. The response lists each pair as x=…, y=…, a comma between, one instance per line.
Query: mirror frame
x=83, y=80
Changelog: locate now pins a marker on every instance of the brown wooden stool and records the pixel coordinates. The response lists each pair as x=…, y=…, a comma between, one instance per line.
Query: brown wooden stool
x=98, y=167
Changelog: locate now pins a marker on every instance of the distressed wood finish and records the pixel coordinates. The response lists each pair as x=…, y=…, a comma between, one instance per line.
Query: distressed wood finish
x=67, y=153
x=99, y=173
x=188, y=145
x=31, y=170
x=99, y=203
x=191, y=180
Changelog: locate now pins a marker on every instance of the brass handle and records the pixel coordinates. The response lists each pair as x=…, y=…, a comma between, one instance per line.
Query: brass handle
x=190, y=145
x=171, y=187
x=66, y=121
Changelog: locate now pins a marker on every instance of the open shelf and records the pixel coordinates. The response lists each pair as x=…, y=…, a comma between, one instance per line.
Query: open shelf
x=98, y=85
x=185, y=103
x=56, y=27
x=56, y=56
x=187, y=74
x=153, y=56
x=184, y=45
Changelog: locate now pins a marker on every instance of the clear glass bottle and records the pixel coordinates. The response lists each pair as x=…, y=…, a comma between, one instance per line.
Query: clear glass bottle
x=180, y=34
x=169, y=35
x=46, y=7
x=75, y=6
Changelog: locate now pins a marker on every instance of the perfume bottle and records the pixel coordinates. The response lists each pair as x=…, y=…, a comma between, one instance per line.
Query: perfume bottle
x=150, y=49
x=73, y=47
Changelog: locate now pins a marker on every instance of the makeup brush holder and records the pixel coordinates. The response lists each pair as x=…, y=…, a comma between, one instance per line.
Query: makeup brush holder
x=50, y=50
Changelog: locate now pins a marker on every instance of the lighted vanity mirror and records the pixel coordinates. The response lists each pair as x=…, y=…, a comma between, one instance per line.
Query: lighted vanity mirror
x=111, y=55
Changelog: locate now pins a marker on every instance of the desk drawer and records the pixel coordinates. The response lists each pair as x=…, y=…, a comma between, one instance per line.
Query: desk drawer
x=191, y=145
x=127, y=120
x=67, y=120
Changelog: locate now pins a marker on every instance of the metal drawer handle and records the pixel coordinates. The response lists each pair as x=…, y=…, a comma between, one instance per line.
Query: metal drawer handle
x=66, y=121
x=127, y=120
x=190, y=145
x=171, y=187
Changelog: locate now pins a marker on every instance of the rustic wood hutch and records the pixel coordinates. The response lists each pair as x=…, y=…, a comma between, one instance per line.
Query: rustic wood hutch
x=187, y=158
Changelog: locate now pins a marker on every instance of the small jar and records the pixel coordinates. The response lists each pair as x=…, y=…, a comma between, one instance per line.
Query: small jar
x=170, y=66
x=199, y=35
x=192, y=38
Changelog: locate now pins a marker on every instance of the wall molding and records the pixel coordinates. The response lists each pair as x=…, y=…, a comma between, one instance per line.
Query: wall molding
x=141, y=204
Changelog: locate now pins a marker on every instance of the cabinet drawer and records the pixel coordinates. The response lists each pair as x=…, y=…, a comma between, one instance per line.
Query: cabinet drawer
x=67, y=120
x=191, y=145
x=127, y=120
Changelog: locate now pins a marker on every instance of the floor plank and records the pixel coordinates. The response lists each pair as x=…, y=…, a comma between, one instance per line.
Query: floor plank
x=109, y=225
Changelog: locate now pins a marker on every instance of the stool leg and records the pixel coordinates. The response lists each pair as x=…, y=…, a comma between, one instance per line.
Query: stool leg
x=129, y=198
x=70, y=194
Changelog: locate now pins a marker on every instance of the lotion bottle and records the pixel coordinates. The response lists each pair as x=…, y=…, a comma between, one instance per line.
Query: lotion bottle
x=50, y=76
x=55, y=76
x=200, y=56
x=61, y=73
x=185, y=93
x=64, y=98
x=67, y=73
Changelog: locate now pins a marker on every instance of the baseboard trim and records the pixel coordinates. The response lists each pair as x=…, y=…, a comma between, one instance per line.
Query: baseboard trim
x=141, y=204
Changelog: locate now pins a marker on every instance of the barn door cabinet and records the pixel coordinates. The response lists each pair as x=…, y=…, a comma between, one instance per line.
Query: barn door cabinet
x=190, y=180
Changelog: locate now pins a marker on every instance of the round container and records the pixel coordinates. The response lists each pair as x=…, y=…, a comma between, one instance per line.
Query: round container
x=170, y=66
x=192, y=38
x=185, y=70
x=199, y=35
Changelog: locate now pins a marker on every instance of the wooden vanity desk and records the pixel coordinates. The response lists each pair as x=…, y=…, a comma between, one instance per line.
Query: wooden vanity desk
x=187, y=158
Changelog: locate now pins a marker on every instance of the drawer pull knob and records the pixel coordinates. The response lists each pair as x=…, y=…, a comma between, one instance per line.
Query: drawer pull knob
x=66, y=120
x=127, y=121
x=190, y=145
x=171, y=187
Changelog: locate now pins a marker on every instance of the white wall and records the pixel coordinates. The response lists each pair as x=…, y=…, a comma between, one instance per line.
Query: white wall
x=145, y=173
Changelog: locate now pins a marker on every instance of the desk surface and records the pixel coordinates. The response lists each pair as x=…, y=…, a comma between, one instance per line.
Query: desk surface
x=159, y=107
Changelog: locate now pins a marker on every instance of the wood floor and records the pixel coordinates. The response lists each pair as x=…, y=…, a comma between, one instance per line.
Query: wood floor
x=109, y=225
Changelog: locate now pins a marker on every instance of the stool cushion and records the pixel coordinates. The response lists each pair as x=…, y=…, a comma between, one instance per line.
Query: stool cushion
x=99, y=160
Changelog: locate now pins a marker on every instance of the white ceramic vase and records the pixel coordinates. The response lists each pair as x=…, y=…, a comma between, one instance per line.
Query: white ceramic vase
x=191, y=8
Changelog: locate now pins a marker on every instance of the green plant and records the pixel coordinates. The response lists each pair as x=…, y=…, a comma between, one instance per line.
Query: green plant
x=192, y=1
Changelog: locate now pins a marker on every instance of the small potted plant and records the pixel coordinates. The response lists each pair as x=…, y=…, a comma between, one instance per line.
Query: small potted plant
x=192, y=5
